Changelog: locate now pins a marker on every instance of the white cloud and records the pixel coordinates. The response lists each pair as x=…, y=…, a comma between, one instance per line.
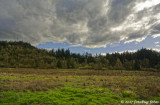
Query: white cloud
x=146, y=4
x=155, y=49
x=156, y=35
x=156, y=42
x=89, y=23
x=130, y=51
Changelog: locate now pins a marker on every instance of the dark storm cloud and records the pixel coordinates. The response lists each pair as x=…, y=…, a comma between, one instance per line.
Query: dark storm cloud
x=91, y=23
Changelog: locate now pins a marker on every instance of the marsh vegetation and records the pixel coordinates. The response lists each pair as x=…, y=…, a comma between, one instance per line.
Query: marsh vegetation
x=76, y=87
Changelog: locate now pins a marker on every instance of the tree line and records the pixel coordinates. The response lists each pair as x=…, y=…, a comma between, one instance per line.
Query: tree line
x=24, y=55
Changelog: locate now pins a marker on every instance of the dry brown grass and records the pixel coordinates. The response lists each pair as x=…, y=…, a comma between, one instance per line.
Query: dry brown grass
x=144, y=84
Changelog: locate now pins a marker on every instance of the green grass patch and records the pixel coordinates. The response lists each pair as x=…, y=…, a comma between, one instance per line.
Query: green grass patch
x=15, y=77
x=63, y=96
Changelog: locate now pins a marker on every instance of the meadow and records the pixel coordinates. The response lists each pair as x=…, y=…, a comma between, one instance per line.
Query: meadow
x=77, y=87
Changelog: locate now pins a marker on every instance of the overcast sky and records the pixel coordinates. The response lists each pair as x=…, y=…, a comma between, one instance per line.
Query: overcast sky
x=90, y=24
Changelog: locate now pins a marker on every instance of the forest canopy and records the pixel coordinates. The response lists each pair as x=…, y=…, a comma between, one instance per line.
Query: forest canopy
x=24, y=55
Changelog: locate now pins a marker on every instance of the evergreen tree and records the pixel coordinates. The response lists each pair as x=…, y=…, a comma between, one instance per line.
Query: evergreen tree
x=23, y=55
x=118, y=65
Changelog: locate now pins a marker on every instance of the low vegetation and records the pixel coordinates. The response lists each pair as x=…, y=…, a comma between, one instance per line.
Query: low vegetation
x=76, y=87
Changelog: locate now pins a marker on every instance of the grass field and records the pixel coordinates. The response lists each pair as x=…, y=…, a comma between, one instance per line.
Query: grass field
x=78, y=87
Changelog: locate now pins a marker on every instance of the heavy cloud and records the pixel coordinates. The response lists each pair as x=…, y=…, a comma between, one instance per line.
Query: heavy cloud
x=89, y=23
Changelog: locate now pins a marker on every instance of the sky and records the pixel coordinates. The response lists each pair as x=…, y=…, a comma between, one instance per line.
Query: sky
x=94, y=26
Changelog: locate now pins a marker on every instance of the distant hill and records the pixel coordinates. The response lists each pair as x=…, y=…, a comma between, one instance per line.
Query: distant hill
x=18, y=44
x=24, y=55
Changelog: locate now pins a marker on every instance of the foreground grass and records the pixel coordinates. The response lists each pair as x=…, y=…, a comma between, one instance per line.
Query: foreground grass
x=76, y=87
x=63, y=96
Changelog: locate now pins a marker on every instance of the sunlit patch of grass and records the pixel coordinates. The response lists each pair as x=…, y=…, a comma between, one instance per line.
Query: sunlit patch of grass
x=129, y=94
x=63, y=96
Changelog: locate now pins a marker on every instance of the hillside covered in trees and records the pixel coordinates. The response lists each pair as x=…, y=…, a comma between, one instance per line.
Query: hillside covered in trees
x=23, y=55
